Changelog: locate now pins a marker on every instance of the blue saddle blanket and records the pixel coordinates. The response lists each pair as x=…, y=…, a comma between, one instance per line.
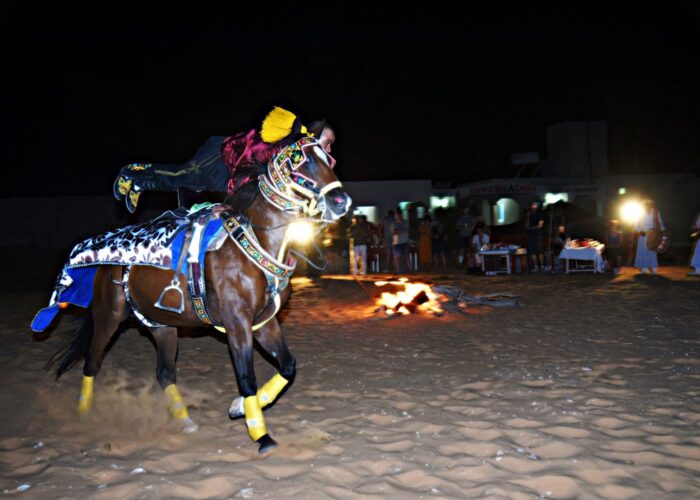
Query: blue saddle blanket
x=157, y=243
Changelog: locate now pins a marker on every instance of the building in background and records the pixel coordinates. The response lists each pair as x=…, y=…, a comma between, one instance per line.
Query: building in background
x=576, y=171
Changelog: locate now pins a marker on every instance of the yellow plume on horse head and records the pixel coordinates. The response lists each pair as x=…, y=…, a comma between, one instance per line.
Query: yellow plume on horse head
x=278, y=124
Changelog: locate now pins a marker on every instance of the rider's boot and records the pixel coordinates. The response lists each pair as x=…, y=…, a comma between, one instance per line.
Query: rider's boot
x=132, y=180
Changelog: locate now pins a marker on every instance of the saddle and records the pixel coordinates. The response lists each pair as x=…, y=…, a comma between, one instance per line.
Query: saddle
x=191, y=250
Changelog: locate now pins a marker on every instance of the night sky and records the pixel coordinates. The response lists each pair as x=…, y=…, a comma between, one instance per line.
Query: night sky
x=430, y=92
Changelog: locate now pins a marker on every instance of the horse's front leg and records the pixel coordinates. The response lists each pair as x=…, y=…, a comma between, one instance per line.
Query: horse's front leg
x=270, y=339
x=166, y=344
x=240, y=341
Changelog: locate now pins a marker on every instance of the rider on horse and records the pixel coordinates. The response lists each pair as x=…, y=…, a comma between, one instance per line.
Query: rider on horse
x=234, y=267
x=212, y=167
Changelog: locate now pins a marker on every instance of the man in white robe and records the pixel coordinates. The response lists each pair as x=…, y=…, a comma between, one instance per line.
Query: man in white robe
x=646, y=260
x=695, y=261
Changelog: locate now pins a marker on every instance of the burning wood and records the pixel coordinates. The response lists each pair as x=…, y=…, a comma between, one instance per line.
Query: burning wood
x=406, y=298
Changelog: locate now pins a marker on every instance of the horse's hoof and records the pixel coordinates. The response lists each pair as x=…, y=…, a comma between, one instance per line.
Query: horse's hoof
x=189, y=426
x=236, y=409
x=267, y=444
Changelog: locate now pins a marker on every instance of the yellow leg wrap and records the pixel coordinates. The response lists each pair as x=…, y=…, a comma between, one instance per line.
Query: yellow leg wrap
x=254, y=418
x=175, y=403
x=269, y=392
x=124, y=185
x=86, y=395
x=134, y=197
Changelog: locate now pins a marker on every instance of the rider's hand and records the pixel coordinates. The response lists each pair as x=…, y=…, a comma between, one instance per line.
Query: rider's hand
x=217, y=210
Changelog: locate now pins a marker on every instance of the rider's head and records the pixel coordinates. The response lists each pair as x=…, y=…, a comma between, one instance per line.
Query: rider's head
x=325, y=134
x=280, y=124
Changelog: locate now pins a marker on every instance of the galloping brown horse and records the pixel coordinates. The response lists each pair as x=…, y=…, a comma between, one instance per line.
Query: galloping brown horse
x=299, y=183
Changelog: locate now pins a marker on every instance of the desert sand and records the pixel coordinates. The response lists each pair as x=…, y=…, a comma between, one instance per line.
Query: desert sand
x=590, y=388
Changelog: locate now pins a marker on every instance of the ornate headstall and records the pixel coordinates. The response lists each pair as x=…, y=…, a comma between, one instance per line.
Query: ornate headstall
x=286, y=188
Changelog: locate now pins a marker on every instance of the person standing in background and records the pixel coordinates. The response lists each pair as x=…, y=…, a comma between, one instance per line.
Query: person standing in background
x=535, y=224
x=440, y=245
x=465, y=227
x=613, y=246
x=330, y=244
x=400, y=244
x=558, y=244
x=480, y=239
x=359, y=234
x=695, y=260
x=425, y=242
x=388, y=236
x=649, y=224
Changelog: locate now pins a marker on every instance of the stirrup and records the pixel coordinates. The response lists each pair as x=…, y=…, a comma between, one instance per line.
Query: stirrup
x=174, y=285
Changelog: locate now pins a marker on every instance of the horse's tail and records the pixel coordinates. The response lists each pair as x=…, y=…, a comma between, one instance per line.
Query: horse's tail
x=76, y=347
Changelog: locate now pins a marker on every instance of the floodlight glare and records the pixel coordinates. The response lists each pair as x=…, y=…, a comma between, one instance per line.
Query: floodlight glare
x=301, y=231
x=631, y=211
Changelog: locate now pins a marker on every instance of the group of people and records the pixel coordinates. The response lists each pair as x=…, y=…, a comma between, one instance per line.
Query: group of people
x=649, y=233
x=392, y=235
x=392, y=242
x=389, y=242
x=646, y=257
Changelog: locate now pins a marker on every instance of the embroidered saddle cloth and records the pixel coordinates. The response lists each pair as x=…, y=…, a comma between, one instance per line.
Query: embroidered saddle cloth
x=146, y=244
x=157, y=243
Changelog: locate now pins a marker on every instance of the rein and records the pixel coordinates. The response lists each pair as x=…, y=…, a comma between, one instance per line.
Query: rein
x=306, y=259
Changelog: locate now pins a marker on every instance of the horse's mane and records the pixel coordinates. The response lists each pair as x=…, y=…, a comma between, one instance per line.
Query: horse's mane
x=245, y=178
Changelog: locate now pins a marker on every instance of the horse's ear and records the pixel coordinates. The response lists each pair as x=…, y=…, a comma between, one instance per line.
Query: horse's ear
x=316, y=127
x=277, y=125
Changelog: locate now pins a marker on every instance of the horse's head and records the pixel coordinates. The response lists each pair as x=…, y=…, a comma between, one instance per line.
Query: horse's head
x=300, y=176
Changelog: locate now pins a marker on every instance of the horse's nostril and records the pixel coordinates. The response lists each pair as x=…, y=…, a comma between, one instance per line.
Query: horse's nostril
x=339, y=200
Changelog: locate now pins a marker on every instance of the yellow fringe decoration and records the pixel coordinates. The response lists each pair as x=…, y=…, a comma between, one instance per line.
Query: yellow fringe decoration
x=86, y=395
x=175, y=403
x=254, y=418
x=272, y=388
x=277, y=125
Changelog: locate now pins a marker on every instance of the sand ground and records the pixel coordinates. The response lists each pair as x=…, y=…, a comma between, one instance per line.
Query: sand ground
x=589, y=389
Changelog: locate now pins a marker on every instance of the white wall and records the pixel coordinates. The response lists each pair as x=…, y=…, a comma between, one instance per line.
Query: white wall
x=386, y=195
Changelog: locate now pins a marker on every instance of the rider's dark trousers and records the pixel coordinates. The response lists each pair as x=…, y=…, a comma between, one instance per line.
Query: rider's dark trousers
x=205, y=171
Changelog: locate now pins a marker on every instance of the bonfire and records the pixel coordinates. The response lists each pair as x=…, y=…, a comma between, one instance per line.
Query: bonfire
x=405, y=298
x=408, y=298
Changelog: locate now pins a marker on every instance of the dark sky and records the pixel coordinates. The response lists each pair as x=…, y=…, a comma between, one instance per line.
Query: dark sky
x=430, y=92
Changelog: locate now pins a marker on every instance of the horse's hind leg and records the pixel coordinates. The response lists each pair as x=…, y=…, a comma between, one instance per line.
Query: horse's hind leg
x=270, y=339
x=166, y=343
x=108, y=311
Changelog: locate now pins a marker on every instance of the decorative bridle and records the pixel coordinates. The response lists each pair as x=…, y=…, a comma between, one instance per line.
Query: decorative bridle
x=287, y=190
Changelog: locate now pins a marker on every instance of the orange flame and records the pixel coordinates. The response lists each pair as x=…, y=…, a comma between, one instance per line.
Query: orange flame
x=403, y=301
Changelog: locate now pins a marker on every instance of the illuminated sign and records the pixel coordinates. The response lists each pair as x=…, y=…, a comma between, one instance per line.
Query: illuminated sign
x=442, y=202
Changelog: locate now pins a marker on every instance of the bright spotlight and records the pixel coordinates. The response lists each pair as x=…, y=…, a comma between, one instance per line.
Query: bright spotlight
x=301, y=232
x=631, y=212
